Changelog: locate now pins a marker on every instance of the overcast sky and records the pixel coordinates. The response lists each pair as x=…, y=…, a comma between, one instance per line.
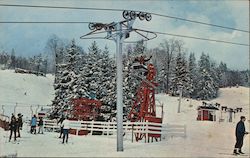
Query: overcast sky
x=30, y=39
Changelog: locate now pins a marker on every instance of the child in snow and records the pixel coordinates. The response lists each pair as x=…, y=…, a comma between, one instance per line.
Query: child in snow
x=13, y=127
x=33, y=124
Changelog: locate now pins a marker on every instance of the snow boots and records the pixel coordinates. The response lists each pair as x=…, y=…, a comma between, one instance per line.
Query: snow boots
x=241, y=151
x=236, y=152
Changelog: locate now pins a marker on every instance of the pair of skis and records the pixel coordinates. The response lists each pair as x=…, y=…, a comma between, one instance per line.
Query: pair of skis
x=245, y=155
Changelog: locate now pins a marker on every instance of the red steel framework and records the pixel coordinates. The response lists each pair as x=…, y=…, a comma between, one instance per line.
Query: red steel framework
x=144, y=108
x=85, y=109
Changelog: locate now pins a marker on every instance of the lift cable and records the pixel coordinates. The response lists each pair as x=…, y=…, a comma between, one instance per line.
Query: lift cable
x=111, y=9
x=156, y=32
x=194, y=37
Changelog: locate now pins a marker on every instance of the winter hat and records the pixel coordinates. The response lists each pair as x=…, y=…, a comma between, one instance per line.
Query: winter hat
x=242, y=117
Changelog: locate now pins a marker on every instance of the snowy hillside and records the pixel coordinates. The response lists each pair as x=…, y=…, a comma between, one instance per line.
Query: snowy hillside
x=204, y=138
x=25, y=90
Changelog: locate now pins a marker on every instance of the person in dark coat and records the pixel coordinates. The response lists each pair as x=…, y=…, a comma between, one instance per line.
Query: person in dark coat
x=61, y=127
x=19, y=124
x=40, y=125
x=239, y=133
x=13, y=127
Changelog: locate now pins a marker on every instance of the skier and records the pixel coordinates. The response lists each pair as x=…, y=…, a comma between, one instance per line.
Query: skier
x=40, y=124
x=65, y=125
x=33, y=124
x=239, y=132
x=19, y=124
x=61, y=127
x=13, y=127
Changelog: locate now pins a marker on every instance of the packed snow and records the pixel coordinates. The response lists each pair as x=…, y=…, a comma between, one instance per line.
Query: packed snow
x=24, y=90
x=204, y=138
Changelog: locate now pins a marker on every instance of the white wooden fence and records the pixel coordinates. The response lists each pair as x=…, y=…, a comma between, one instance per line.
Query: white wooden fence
x=109, y=128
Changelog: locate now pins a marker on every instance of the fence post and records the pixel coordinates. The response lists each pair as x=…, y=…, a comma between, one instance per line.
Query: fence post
x=108, y=128
x=53, y=129
x=77, y=127
x=185, y=131
x=146, y=131
x=126, y=130
x=132, y=132
x=92, y=126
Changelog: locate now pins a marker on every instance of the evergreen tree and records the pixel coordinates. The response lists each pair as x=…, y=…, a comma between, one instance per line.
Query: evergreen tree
x=223, y=74
x=66, y=87
x=180, y=78
x=192, y=76
x=206, y=85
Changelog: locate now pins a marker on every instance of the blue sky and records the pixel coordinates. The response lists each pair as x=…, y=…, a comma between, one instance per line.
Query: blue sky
x=30, y=39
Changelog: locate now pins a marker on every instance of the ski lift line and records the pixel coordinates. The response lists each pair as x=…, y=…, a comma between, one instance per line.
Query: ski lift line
x=118, y=10
x=155, y=35
x=201, y=23
x=194, y=37
x=22, y=105
x=14, y=103
x=45, y=22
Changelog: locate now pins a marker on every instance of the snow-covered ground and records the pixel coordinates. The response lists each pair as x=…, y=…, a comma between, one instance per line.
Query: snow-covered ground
x=204, y=138
x=24, y=90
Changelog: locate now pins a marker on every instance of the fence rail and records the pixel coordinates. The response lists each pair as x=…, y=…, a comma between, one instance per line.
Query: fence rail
x=109, y=128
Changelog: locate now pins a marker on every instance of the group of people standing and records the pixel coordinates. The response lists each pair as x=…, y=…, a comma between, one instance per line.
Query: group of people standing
x=15, y=125
x=33, y=125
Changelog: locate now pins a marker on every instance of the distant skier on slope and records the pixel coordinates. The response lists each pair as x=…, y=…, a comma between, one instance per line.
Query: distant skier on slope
x=239, y=132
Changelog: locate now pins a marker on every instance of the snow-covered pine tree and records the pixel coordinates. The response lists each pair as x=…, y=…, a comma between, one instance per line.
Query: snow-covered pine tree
x=180, y=75
x=67, y=85
x=215, y=76
x=107, y=86
x=206, y=88
x=223, y=74
x=93, y=71
x=192, y=76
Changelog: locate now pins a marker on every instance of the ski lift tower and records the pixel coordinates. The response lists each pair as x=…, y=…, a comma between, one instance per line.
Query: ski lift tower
x=120, y=32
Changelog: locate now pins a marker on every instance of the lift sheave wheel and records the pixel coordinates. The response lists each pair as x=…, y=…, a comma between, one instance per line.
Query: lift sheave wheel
x=126, y=14
x=91, y=26
x=133, y=14
x=141, y=16
x=148, y=16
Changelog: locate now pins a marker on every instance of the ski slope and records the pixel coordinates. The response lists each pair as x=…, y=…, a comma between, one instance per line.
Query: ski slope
x=204, y=138
x=24, y=90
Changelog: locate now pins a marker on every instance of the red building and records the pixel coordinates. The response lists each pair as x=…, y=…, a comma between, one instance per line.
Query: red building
x=207, y=113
